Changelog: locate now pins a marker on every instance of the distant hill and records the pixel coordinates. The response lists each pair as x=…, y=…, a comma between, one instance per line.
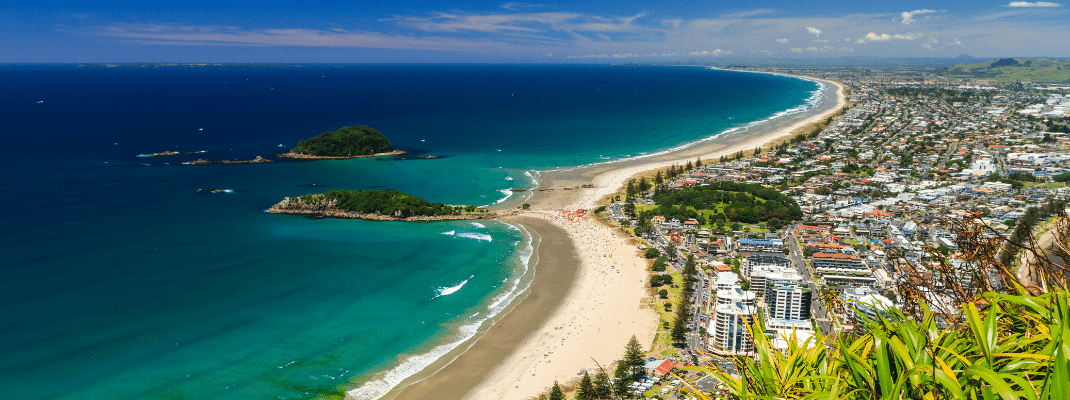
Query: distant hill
x=1011, y=70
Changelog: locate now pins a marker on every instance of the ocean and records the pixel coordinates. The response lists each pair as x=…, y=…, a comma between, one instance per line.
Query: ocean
x=119, y=279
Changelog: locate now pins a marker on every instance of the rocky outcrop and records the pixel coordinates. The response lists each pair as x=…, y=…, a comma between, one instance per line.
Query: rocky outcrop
x=257, y=160
x=328, y=208
x=298, y=156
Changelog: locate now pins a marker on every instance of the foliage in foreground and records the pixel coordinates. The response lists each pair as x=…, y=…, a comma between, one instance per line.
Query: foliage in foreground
x=1018, y=347
x=1008, y=341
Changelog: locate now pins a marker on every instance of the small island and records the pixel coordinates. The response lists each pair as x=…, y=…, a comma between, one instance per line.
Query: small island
x=347, y=142
x=376, y=205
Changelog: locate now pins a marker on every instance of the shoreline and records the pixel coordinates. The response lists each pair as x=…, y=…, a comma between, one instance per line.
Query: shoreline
x=540, y=341
x=453, y=375
x=608, y=177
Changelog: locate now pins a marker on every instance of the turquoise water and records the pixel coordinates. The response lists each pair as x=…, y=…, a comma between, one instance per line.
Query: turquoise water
x=118, y=280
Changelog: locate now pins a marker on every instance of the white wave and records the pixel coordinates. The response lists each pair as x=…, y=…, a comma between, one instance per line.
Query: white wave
x=534, y=182
x=446, y=291
x=450, y=233
x=478, y=225
x=379, y=386
x=508, y=193
x=476, y=236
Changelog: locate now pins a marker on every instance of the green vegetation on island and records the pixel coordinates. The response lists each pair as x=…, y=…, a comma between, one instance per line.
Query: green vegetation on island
x=387, y=202
x=378, y=205
x=350, y=141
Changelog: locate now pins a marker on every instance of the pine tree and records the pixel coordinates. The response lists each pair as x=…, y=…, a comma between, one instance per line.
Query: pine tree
x=603, y=389
x=586, y=389
x=633, y=356
x=688, y=167
x=698, y=163
x=556, y=393
x=679, y=326
x=623, y=379
x=643, y=185
x=658, y=180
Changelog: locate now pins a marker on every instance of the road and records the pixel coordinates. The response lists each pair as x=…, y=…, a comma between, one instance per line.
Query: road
x=817, y=308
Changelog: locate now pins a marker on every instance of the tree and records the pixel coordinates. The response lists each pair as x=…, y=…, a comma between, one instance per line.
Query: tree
x=698, y=163
x=603, y=389
x=629, y=191
x=663, y=293
x=586, y=389
x=688, y=166
x=556, y=393
x=690, y=270
x=658, y=180
x=670, y=252
x=643, y=185
x=660, y=265
x=651, y=252
x=679, y=327
x=633, y=356
x=526, y=206
x=623, y=380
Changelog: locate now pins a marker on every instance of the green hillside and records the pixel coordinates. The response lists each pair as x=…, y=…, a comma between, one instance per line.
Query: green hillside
x=1011, y=70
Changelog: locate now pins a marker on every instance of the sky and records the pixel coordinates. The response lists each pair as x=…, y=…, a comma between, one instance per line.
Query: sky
x=574, y=31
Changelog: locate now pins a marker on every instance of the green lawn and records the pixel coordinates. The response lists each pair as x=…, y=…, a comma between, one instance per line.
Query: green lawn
x=662, y=340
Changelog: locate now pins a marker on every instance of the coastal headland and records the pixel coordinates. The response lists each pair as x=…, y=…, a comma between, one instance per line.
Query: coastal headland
x=378, y=205
x=566, y=325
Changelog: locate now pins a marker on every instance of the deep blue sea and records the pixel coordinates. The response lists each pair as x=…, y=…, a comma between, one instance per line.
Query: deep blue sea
x=118, y=280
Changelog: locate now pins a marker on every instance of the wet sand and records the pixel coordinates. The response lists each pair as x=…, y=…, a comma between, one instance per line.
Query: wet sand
x=556, y=270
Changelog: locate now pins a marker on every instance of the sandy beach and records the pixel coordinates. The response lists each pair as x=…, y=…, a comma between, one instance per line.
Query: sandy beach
x=588, y=296
x=609, y=177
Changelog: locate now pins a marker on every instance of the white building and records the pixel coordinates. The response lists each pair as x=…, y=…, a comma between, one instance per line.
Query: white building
x=735, y=295
x=864, y=303
x=729, y=327
x=768, y=273
x=787, y=300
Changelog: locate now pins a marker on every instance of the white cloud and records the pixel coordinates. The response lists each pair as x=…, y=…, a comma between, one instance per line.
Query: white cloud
x=709, y=52
x=821, y=41
x=1037, y=4
x=934, y=44
x=814, y=31
x=515, y=6
x=873, y=37
x=781, y=40
x=908, y=16
x=884, y=37
x=622, y=55
x=907, y=36
x=814, y=49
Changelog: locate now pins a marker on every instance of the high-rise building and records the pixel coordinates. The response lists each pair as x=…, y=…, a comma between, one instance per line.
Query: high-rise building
x=787, y=300
x=729, y=327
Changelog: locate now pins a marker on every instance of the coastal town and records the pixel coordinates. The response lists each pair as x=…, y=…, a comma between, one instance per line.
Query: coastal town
x=880, y=187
